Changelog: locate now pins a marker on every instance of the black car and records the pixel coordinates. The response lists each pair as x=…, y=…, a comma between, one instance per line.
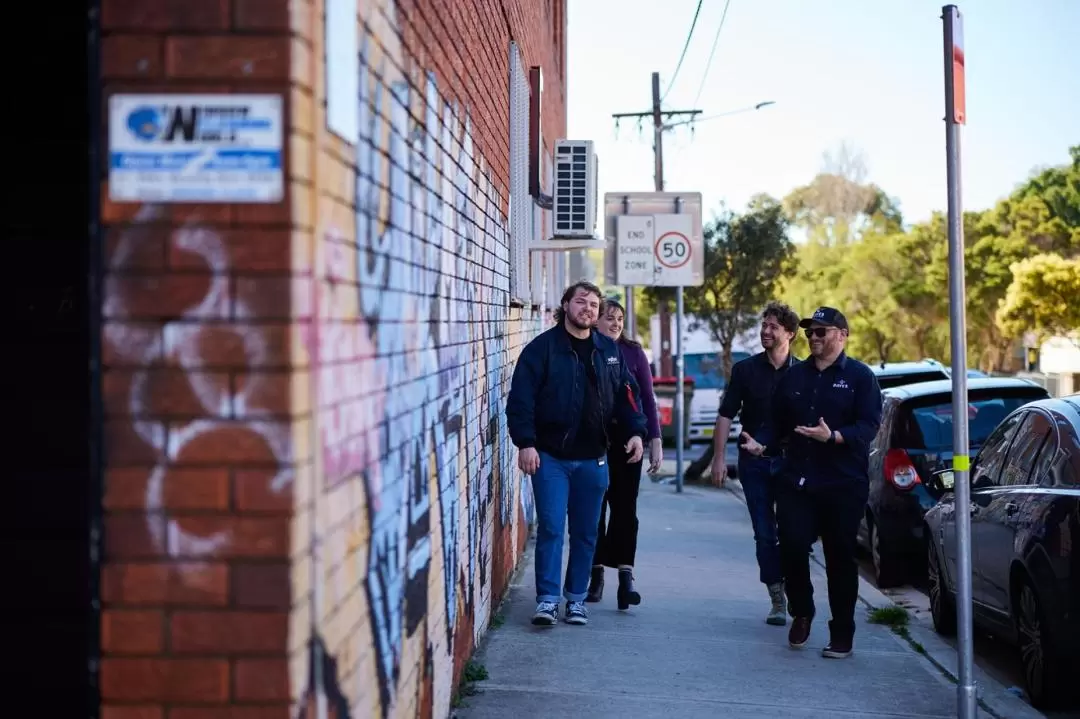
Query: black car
x=1025, y=514
x=914, y=441
x=894, y=374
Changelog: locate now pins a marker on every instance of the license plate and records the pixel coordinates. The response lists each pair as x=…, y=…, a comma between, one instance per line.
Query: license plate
x=707, y=432
x=947, y=480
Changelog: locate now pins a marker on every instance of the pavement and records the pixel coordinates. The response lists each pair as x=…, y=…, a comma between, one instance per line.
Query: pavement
x=698, y=645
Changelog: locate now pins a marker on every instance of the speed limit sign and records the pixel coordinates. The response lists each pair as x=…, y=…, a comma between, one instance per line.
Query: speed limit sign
x=672, y=250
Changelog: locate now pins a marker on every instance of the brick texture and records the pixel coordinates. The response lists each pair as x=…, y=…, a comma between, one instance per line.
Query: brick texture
x=197, y=487
x=332, y=367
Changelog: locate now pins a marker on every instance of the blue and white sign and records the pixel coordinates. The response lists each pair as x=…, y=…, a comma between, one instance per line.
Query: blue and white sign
x=195, y=148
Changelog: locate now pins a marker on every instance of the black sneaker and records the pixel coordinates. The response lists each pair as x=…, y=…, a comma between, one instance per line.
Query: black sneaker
x=547, y=614
x=576, y=613
x=838, y=648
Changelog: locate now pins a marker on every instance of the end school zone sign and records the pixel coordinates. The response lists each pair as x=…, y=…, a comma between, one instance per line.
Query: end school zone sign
x=654, y=250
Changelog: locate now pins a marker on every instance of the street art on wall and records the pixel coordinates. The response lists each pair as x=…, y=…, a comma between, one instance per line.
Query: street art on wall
x=412, y=341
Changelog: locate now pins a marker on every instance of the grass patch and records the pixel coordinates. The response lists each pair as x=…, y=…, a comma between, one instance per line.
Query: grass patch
x=892, y=616
x=474, y=672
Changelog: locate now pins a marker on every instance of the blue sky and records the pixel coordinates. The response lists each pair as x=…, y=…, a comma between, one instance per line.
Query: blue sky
x=868, y=73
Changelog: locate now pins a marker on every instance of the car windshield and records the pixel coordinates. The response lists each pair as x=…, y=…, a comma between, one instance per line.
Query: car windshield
x=707, y=368
x=930, y=419
x=895, y=380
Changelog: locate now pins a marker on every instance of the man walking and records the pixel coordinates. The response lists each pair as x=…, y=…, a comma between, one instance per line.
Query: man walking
x=826, y=412
x=568, y=386
x=750, y=392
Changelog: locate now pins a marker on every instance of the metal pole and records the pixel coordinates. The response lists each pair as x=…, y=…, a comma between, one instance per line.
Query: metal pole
x=967, y=702
x=680, y=377
x=658, y=180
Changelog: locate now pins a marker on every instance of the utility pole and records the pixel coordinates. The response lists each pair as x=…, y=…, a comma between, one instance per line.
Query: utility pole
x=658, y=117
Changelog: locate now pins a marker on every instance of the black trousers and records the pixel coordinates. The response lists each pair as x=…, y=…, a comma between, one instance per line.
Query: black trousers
x=616, y=540
x=834, y=515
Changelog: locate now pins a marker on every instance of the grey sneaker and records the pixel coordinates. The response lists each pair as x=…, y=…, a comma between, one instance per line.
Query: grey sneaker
x=547, y=614
x=576, y=613
x=778, y=613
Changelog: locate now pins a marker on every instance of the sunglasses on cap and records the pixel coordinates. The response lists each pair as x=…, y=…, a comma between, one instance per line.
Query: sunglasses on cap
x=817, y=331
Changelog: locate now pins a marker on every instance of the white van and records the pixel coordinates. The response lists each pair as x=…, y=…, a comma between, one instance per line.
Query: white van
x=703, y=362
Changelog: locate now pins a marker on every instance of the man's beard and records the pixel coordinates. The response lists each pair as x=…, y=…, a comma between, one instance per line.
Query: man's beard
x=578, y=323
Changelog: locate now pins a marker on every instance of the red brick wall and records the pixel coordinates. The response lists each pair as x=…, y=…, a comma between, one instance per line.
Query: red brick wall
x=195, y=581
x=307, y=456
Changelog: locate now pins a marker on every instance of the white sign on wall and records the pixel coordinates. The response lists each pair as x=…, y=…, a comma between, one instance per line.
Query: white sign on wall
x=343, y=69
x=196, y=148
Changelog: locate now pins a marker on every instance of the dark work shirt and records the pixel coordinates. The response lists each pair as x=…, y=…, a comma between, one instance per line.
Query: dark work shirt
x=847, y=396
x=749, y=393
x=591, y=440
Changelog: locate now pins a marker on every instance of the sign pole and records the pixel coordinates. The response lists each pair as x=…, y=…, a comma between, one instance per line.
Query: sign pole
x=955, y=116
x=680, y=377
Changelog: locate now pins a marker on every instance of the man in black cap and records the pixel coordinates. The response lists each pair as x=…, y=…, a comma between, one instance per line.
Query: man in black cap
x=826, y=412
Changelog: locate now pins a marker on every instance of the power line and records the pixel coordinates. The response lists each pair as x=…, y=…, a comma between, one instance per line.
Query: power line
x=686, y=46
x=708, y=64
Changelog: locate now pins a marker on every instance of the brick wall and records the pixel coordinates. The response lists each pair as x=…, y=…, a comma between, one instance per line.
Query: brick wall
x=310, y=491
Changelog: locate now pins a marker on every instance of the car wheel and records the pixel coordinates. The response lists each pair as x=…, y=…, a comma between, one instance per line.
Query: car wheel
x=886, y=569
x=1042, y=677
x=942, y=604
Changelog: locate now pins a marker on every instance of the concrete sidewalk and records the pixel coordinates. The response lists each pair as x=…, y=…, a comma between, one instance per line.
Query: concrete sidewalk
x=698, y=645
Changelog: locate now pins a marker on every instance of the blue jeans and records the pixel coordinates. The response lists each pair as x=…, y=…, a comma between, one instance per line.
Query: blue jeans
x=758, y=478
x=564, y=489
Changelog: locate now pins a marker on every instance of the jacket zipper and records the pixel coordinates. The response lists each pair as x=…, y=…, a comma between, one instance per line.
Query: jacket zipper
x=600, y=399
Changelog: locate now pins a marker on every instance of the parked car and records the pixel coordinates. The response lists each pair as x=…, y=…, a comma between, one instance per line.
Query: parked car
x=894, y=374
x=707, y=371
x=1025, y=513
x=914, y=441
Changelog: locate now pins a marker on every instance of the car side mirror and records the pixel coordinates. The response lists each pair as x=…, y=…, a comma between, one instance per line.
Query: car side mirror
x=945, y=478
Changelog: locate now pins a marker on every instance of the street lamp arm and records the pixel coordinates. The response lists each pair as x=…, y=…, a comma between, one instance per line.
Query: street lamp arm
x=753, y=108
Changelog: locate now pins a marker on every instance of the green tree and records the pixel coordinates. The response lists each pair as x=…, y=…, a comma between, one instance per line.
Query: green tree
x=1043, y=297
x=745, y=257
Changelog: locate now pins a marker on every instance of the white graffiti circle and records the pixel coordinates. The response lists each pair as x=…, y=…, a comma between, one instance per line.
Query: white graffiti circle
x=179, y=342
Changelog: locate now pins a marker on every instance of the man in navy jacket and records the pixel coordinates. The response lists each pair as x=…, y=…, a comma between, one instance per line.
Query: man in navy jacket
x=569, y=385
x=826, y=412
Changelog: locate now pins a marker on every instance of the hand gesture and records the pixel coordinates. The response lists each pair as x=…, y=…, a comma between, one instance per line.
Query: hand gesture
x=751, y=445
x=528, y=460
x=820, y=431
x=634, y=449
x=656, y=454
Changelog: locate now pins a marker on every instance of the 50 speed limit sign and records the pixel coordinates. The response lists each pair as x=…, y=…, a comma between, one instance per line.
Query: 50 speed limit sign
x=673, y=250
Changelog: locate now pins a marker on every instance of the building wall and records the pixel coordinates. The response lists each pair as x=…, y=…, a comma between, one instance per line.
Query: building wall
x=311, y=497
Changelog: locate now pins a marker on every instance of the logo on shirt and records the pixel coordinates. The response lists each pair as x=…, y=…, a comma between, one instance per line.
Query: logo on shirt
x=613, y=360
x=840, y=384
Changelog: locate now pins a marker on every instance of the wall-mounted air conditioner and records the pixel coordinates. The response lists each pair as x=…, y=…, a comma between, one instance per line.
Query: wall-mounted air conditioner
x=574, y=198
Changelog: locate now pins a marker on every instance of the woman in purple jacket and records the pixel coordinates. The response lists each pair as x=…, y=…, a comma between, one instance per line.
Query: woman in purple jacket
x=616, y=543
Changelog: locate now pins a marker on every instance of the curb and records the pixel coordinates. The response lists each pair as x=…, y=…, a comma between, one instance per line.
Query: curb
x=991, y=694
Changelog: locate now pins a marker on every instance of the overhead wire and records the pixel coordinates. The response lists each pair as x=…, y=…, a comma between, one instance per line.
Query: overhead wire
x=686, y=46
x=712, y=53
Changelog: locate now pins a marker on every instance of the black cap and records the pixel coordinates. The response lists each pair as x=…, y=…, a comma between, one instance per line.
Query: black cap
x=829, y=316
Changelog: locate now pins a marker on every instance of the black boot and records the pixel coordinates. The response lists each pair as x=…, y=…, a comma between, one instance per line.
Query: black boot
x=596, y=585
x=627, y=595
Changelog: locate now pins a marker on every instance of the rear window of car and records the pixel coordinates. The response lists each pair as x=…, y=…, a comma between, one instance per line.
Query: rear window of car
x=927, y=422
x=896, y=380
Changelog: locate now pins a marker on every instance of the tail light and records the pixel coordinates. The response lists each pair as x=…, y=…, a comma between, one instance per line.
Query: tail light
x=900, y=471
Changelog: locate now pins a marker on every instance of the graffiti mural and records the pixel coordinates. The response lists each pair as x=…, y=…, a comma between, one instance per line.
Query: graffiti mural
x=223, y=412
x=411, y=338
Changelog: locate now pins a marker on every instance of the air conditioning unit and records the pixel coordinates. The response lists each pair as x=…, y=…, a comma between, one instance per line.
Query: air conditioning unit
x=574, y=200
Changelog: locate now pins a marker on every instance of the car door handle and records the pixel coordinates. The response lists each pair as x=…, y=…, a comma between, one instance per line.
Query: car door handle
x=1011, y=508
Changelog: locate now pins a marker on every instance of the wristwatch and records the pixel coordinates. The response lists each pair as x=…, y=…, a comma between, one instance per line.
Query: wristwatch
x=832, y=438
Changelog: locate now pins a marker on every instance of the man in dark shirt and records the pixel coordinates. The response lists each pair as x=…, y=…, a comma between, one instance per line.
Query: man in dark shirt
x=826, y=412
x=569, y=384
x=749, y=392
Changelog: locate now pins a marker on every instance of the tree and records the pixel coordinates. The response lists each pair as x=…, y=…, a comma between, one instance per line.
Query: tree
x=745, y=257
x=1043, y=297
